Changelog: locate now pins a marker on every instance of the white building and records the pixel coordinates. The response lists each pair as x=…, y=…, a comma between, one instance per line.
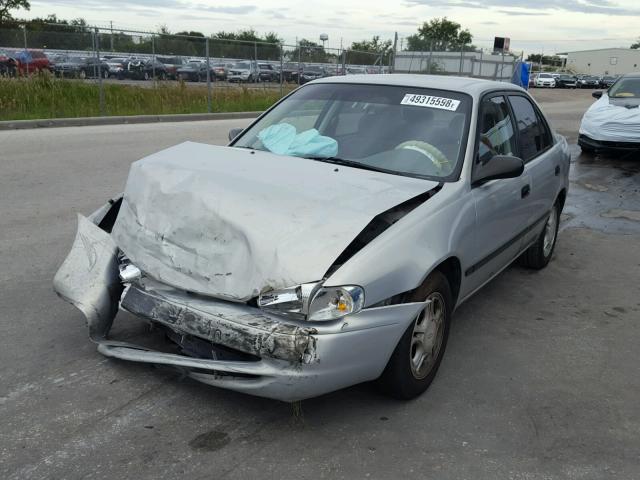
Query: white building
x=605, y=61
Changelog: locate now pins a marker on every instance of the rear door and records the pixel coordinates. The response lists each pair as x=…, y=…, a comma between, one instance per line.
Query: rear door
x=501, y=213
x=542, y=162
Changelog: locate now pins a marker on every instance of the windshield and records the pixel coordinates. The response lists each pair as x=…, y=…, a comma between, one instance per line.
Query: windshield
x=77, y=60
x=400, y=130
x=566, y=77
x=242, y=66
x=545, y=75
x=626, y=88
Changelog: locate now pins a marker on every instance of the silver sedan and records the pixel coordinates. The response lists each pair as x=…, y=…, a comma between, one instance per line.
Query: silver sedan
x=330, y=243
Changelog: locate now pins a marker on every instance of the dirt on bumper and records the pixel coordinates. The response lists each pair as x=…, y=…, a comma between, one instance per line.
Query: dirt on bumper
x=236, y=327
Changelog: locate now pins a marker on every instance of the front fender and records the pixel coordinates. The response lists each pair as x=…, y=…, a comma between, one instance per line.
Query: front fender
x=89, y=277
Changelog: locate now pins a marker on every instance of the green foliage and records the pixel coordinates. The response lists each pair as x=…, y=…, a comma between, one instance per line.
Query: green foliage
x=367, y=52
x=440, y=35
x=309, y=51
x=552, y=60
x=635, y=45
x=54, y=33
x=7, y=5
x=43, y=96
x=246, y=44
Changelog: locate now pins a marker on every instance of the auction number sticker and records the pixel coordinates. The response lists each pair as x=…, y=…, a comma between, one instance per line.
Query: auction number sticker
x=430, y=101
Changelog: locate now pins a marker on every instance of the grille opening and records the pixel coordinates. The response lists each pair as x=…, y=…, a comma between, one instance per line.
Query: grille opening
x=192, y=346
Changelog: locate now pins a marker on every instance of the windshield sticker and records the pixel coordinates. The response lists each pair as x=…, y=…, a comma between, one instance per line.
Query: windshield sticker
x=430, y=101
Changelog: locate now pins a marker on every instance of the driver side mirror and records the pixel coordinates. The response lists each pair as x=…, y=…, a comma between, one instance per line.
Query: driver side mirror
x=597, y=94
x=500, y=166
x=234, y=132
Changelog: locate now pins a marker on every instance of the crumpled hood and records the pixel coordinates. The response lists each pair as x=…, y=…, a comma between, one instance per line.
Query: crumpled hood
x=610, y=121
x=231, y=223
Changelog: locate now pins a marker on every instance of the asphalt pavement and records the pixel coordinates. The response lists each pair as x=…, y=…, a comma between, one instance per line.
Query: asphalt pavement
x=541, y=378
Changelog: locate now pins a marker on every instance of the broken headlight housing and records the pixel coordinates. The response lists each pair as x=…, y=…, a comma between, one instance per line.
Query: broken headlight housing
x=312, y=301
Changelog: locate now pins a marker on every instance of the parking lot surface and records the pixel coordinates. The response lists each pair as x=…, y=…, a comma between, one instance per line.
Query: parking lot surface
x=541, y=378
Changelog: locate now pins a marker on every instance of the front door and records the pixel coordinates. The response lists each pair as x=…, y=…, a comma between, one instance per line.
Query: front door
x=501, y=213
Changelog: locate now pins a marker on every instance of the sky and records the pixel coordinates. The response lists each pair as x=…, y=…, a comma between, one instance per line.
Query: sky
x=551, y=26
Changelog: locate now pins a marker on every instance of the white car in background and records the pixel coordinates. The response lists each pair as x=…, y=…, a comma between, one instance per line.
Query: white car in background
x=544, y=80
x=612, y=124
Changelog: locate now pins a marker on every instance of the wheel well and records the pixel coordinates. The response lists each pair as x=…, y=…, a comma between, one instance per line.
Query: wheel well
x=562, y=196
x=451, y=269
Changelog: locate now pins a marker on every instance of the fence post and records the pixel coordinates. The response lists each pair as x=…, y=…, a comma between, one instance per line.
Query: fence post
x=299, y=54
x=344, y=62
x=481, y=62
x=281, y=71
x=96, y=42
x=206, y=53
x=430, y=56
x=153, y=58
x=24, y=36
x=461, y=59
x=393, y=54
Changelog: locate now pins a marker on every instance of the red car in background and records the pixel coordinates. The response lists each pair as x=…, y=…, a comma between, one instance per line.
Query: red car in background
x=8, y=64
x=23, y=62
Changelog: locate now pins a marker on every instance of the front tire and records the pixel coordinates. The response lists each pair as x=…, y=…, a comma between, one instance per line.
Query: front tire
x=538, y=255
x=415, y=360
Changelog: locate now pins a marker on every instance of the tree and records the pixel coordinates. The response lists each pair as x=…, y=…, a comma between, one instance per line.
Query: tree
x=7, y=5
x=369, y=52
x=552, y=60
x=308, y=51
x=635, y=46
x=246, y=44
x=440, y=35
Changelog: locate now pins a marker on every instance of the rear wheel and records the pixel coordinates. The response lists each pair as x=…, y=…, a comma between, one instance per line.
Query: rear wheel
x=537, y=256
x=82, y=74
x=415, y=360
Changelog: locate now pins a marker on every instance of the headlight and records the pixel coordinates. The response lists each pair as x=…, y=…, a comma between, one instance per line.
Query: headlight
x=313, y=302
x=292, y=301
x=335, y=302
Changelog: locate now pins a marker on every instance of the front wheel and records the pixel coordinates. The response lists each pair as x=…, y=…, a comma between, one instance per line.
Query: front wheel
x=537, y=256
x=415, y=360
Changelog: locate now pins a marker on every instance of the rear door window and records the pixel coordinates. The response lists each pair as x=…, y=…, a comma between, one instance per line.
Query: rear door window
x=533, y=133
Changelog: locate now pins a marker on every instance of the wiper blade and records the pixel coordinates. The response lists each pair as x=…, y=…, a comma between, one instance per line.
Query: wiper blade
x=350, y=163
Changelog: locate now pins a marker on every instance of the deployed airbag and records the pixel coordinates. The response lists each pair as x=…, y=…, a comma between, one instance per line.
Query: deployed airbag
x=283, y=139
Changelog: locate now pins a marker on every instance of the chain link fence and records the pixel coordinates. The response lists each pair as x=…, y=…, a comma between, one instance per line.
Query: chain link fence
x=444, y=58
x=105, y=56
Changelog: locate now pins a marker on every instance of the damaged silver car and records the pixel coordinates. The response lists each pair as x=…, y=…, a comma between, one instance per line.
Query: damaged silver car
x=331, y=241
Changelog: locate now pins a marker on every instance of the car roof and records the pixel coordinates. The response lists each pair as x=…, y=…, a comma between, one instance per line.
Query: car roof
x=473, y=86
x=631, y=75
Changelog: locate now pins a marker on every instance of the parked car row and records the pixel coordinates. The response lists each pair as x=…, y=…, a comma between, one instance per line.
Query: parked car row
x=163, y=67
x=568, y=80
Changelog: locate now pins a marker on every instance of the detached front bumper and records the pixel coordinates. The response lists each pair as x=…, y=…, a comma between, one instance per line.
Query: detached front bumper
x=283, y=359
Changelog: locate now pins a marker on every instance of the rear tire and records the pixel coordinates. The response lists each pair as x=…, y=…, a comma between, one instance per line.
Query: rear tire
x=415, y=360
x=538, y=255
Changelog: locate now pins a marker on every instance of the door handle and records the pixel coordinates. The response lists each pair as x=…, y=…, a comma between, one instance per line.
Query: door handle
x=526, y=190
x=557, y=171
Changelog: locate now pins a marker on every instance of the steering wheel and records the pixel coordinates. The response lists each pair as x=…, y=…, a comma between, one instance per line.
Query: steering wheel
x=439, y=159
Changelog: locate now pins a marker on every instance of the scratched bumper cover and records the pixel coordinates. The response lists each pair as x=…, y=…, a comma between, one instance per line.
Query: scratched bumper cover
x=293, y=360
